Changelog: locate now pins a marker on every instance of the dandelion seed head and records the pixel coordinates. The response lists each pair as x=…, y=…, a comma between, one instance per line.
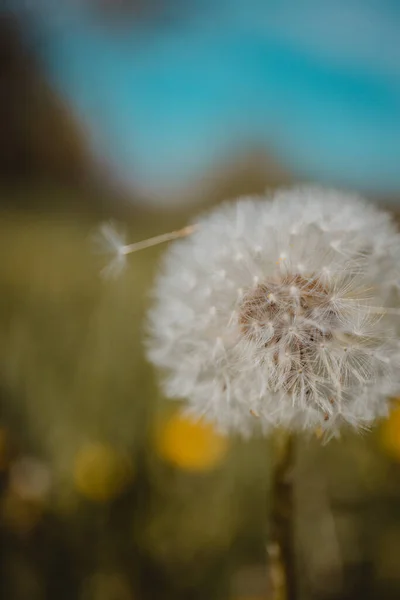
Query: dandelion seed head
x=288, y=332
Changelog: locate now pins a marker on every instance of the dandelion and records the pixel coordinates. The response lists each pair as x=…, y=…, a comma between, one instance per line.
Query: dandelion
x=275, y=313
x=280, y=314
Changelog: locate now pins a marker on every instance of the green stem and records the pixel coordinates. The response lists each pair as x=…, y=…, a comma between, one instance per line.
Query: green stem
x=282, y=576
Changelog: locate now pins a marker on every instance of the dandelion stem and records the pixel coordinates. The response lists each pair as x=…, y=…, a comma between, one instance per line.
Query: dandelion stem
x=158, y=239
x=280, y=548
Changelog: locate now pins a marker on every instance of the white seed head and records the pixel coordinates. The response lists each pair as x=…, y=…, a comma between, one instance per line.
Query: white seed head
x=295, y=331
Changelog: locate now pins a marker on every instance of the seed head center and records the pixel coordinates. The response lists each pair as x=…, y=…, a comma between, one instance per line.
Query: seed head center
x=284, y=309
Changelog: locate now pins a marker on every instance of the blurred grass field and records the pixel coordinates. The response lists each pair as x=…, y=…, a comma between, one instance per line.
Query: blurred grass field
x=78, y=396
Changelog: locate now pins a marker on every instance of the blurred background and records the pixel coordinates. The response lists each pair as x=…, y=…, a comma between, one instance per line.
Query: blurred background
x=146, y=112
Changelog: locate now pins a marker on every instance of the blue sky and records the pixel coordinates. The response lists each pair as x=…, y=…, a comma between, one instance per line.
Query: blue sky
x=314, y=82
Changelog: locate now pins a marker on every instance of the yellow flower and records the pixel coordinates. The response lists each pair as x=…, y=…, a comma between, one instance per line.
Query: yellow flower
x=190, y=445
x=101, y=472
x=390, y=434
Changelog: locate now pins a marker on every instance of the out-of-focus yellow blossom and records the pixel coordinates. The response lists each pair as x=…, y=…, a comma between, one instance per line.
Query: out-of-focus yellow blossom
x=101, y=472
x=190, y=445
x=390, y=434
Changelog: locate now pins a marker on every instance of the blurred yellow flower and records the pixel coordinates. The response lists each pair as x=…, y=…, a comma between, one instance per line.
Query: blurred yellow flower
x=101, y=472
x=190, y=445
x=390, y=434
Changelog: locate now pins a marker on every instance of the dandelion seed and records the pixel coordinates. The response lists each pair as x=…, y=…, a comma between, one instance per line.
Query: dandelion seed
x=108, y=240
x=316, y=325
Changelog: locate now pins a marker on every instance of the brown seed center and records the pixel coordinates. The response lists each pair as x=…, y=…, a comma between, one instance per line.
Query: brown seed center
x=278, y=305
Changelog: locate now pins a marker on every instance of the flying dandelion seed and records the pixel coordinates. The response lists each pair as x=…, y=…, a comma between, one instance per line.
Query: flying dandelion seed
x=273, y=313
x=111, y=241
